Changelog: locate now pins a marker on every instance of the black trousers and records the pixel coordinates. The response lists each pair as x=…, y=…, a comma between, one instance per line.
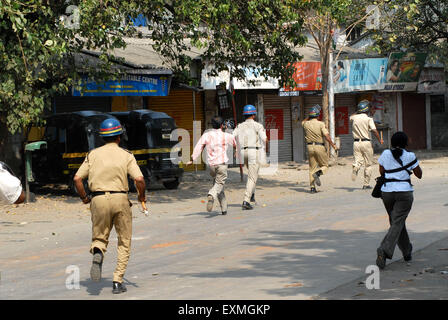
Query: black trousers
x=398, y=205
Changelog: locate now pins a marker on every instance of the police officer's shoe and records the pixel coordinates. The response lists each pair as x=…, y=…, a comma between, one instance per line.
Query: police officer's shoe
x=224, y=213
x=316, y=177
x=252, y=199
x=118, y=287
x=210, y=203
x=247, y=206
x=380, y=259
x=366, y=187
x=97, y=264
x=313, y=190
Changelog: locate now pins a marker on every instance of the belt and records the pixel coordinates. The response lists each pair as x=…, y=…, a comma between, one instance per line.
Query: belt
x=361, y=140
x=100, y=193
x=252, y=148
x=315, y=143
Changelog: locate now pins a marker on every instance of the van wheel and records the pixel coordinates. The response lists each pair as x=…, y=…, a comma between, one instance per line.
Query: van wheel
x=170, y=185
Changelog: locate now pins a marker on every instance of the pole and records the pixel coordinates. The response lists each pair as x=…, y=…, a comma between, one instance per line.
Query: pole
x=236, y=121
x=194, y=119
x=331, y=102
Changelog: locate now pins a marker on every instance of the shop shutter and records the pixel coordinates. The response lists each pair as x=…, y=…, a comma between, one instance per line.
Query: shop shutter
x=72, y=104
x=179, y=105
x=346, y=100
x=311, y=101
x=282, y=103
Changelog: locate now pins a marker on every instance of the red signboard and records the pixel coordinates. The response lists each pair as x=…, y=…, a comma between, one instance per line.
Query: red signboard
x=273, y=119
x=341, y=115
x=307, y=76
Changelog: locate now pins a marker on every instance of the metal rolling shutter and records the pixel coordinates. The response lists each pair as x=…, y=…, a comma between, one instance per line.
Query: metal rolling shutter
x=72, y=104
x=285, y=145
x=179, y=105
x=310, y=101
x=346, y=100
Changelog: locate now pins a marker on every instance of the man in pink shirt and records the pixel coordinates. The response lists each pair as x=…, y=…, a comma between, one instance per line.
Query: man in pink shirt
x=217, y=142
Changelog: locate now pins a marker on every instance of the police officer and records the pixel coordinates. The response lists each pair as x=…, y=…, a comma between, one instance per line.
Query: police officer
x=315, y=131
x=251, y=137
x=107, y=169
x=362, y=124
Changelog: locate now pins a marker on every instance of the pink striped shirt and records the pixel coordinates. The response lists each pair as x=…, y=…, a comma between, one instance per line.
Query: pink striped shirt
x=217, y=143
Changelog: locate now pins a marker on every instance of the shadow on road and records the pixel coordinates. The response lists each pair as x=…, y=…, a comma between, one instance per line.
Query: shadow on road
x=306, y=261
x=95, y=288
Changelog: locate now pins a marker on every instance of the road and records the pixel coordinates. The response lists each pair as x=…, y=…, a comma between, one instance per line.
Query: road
x=296, y=247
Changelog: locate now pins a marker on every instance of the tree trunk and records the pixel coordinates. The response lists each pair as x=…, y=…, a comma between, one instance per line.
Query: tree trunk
x=324, y=61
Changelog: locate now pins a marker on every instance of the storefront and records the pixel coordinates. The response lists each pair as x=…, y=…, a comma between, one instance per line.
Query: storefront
x=186, y=107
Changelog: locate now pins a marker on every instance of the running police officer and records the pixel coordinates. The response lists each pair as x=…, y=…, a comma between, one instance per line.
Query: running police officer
x=315, y=131
x=362, y=124
x=251, y=137
x=107, y=169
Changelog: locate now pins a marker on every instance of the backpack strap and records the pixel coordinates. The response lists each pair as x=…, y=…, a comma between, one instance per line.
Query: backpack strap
x=402, y=167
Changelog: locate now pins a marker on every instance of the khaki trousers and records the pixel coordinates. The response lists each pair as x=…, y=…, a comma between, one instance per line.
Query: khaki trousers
x=363, y=153
x=107, y=211
x=219, y=173
x=318, y=160
x=253, y=167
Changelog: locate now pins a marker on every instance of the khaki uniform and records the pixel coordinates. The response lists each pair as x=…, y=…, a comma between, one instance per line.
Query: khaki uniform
x=107, y=169
x=251, y=137
x=315, y=131
x=219, y=174
x=362, y=150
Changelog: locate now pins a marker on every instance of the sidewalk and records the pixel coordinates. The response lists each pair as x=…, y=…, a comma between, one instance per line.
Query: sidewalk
x=426, y=277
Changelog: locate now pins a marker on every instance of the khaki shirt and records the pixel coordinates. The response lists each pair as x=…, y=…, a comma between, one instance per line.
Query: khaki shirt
x=362, y=125
x=108, y=167
x=315, y=130
x=250, y=134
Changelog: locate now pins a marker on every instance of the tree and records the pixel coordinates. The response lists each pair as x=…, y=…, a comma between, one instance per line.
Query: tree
x=37, y=50
x=418, y=25
x=231, y=34
x=323, y=18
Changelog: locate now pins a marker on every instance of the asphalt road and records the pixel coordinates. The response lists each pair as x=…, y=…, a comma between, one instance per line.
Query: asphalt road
x=296, y=248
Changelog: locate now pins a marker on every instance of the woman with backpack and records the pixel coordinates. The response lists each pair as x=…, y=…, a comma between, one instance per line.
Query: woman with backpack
x=396, y=165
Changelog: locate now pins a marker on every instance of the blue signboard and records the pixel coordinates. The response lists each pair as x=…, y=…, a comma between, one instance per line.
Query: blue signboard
x=359, y=75
x=129, y=85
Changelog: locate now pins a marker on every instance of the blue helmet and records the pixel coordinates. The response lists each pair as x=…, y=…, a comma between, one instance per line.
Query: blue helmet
x=110, y=127
x=363, y=106
x=249, y=110
x=315, y=111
